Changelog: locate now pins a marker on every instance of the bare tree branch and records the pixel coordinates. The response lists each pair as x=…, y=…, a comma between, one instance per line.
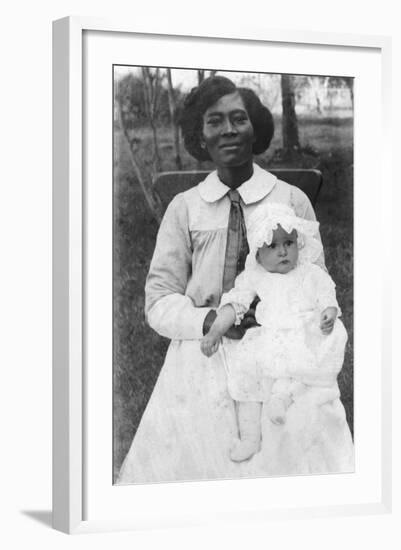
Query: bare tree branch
x=152, y=203
x=173, y=110
x=289, y=121
x=150, y=87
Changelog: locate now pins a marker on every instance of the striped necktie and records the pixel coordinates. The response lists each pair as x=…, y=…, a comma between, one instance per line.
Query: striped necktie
x=237, y=245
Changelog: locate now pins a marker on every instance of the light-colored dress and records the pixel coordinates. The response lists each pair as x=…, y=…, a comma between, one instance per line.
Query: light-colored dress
x=190, y=420
x=289, y=342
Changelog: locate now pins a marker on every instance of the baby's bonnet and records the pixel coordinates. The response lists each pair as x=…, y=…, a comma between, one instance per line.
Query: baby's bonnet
x=267, y=217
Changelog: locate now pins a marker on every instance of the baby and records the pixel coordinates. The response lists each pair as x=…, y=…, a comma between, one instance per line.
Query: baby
x=300, y=341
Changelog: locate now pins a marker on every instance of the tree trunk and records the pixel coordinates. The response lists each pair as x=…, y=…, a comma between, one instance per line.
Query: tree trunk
x=201, y=76
x=289, y=120
x=151, y=88
x=173, y=109
x=350, y=84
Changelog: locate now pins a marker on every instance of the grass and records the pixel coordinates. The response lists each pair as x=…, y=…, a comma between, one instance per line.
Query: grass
x=138, y=351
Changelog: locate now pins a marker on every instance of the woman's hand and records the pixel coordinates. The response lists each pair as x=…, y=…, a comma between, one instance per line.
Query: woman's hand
x=235, y=332
x=249, y=320
x=327, y=319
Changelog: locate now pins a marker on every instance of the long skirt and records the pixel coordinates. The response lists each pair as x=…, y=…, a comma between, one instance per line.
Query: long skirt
x=190, y=424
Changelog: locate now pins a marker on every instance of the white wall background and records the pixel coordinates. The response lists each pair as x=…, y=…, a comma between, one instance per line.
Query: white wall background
x=25, y=230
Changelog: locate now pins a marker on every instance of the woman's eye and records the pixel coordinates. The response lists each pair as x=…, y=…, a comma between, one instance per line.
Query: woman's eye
x=241, y=119
x=289, y=243
x=213, y=122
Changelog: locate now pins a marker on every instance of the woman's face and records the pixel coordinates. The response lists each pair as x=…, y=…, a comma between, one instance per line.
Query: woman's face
x=228, y=132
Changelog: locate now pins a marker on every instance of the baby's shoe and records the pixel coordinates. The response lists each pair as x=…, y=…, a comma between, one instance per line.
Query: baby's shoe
x=243, y=449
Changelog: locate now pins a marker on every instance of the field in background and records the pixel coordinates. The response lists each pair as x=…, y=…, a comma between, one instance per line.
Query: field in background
x=138, y=351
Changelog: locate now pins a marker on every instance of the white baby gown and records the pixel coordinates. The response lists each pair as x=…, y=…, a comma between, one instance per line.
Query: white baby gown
x=289, y=342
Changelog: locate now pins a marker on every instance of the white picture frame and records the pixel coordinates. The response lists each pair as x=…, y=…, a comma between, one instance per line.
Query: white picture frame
x=70, y=259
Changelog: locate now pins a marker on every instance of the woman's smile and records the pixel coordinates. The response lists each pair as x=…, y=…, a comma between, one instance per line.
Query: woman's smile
x=228, y=132
x=230, y=146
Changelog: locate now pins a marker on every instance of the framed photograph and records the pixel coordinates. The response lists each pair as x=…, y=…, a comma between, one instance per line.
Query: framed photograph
x=161, y=141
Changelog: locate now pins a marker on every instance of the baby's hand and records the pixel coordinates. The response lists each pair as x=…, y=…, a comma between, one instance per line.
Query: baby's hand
x=209, y=345
x=327, y=319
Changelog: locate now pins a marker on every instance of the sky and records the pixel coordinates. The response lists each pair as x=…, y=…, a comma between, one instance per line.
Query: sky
x=186, y=78
x=266, y=85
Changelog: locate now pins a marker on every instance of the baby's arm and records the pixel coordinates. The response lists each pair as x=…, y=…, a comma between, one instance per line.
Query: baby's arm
x=226, y=316
x=326, y=300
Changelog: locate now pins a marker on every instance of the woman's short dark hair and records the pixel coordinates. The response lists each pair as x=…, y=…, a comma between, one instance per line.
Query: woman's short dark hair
x=208, y=92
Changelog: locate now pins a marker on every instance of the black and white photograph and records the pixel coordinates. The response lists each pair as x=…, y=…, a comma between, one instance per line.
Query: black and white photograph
x=200, y=339
x=233, y=275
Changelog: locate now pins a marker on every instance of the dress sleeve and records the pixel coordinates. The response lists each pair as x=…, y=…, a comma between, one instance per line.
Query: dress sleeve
x=325, y=290
x=241, y=296
x=304, y=209
x=168, y=311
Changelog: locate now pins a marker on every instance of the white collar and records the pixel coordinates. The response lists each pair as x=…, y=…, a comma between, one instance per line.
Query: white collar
x=256, y=188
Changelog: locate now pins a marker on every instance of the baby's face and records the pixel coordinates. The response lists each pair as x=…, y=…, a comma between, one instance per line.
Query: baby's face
x=281, y=255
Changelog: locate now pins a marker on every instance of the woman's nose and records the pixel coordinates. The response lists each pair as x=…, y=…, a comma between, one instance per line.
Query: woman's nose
x=228, y=127
x=282, y=250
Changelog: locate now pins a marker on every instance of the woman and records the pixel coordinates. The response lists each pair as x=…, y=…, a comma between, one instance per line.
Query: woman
x=190, y=420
